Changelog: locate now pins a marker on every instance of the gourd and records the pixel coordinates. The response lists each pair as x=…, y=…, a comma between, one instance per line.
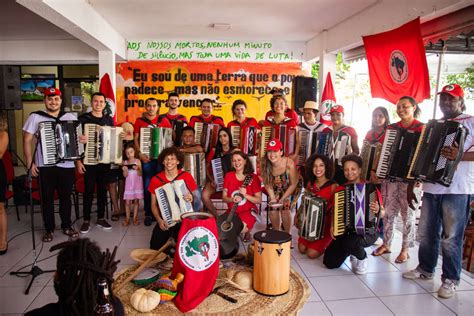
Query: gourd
x=144, y=300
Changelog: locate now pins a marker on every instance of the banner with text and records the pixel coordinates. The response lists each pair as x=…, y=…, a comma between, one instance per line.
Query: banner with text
x=250, y=51
x=223, y=82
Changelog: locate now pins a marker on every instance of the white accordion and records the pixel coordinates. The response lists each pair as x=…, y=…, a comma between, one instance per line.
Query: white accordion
x=104, y=145
x=171, y=201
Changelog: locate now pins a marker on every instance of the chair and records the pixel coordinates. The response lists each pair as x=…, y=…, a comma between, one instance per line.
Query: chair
x=10, y=173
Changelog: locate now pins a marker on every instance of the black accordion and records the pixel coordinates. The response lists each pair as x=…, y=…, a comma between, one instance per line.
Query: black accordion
x=397, y=154
x=311, y=217
x=60, y=141
x=428, y=164
x=195, y=164
x=370, y=155
x=352, y=212
x=309, y=141
x=245, y=137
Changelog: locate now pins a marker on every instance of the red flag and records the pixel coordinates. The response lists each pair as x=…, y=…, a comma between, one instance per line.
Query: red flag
x=106, y=88
x=397, y=63
x=328, y=100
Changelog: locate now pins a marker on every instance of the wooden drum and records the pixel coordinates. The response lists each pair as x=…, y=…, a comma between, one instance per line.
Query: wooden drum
x=271, y=263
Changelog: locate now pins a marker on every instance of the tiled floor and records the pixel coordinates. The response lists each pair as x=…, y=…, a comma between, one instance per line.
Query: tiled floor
x=382, y=291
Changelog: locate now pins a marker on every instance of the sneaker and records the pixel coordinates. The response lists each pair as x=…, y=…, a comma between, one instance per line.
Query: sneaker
x=415, y=274
x=102, y=223
x=147, y=221
x=85, y=227
x=358, y=266
x=71, y=232
x=447, y=289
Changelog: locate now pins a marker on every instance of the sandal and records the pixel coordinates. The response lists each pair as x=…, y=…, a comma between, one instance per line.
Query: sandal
x=402, y=258
x=115, y=217
x=380, y=251
x=247, y=237
x=136, y=222
x=48, y=237
x=126, y=222
x=71, y=232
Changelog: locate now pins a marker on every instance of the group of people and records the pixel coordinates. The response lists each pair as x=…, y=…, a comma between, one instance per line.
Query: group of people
x=279, y=175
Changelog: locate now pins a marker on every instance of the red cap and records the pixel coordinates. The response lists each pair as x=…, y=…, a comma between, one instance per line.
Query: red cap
x=52, y=91
x=274, y=145
x=337, y=108
x=453, y=89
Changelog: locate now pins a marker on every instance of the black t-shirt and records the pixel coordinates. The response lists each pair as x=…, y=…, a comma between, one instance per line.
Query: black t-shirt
x=54, y=309
x=88, y=118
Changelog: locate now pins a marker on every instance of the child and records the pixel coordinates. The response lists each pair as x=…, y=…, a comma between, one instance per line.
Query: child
x=132, y=171
x=351, y=243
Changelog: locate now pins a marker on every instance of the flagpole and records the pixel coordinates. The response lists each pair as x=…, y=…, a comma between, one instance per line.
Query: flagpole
x=438, y=78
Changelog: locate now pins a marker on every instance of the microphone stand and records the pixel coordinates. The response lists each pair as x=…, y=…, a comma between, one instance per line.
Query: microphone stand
x=35, y=270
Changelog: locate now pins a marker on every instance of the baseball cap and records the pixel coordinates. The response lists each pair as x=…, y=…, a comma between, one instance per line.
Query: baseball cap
x=453, y=89
x=337, y=108
x=274, y=145
x=51, y=91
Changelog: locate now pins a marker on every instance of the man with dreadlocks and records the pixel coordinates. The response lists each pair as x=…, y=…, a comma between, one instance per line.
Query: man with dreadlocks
x=80, y=264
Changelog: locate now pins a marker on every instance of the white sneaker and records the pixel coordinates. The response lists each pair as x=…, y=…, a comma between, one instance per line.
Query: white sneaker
x=447, y=289
x=359, y=266
x=415, y=274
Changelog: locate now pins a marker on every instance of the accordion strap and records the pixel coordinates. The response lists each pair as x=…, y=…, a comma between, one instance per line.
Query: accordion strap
x=55, y=118
x=144, y=119
x=177, y=176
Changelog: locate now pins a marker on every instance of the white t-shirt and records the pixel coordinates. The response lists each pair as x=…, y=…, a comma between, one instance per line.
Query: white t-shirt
x=317, y=127
x=463, y=179
x=31, y=126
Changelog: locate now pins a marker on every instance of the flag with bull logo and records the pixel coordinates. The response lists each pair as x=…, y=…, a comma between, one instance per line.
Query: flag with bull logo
x=107, y=89
x=328, y=100
x=397, y=63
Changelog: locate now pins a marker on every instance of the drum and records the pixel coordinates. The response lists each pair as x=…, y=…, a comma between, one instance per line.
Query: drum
x=197, y=258
x=271, y=262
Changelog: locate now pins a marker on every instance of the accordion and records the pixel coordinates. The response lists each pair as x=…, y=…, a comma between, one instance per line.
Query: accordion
x=178, y=126
x=325, y=144
x=352, y=210
x=60, y=141
x=245, y=138
x=397, y=153
x=206, y=134
x=264, y=137
x=104, y=145
x=195, y=164
x=171, y=201
x=311, y=217
x=220, y=166
x=154, y=139
x=428, y=163
x=287, y=136
x=309, y=144
x=370, y=154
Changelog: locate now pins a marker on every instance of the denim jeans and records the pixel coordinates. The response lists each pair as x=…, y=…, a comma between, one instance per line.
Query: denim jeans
x=149, y=170
x=443, y=221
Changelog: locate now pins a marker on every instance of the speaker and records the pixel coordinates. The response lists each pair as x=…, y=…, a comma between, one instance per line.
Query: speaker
x=303, y=89
x=10, y=94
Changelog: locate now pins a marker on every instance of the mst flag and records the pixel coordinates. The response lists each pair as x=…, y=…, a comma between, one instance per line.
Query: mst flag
x=397, y=63
x=106, y=88
x=328, y=100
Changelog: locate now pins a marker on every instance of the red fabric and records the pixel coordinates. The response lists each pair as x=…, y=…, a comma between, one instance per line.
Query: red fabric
x=232, y=184
x=289, y=113
x=328, y=100
x=397, y=63
x=210, y=119
x=177, y=117
x=373, y=136
x=139, y=123
x=187, y=177
x=197, y=258
x=249, y=121
x=345, y=129
x=8, y=165
x=107, y=89
x=415, y=126
x=326, y=193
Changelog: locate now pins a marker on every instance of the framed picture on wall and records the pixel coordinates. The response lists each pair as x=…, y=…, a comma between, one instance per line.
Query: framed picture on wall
x=33, y=89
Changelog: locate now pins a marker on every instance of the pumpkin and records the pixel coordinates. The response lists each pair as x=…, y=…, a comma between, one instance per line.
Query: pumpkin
x=243, y=279
x=144, y=300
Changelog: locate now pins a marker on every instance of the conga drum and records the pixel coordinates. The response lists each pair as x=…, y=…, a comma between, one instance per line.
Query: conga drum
x=271, y=262
x=197, y=258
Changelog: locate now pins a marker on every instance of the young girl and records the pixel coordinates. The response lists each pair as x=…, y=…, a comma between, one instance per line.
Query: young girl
x=132, y=171
x=224, y=149
x=351, y=243
x=247, y=196
x=280, y=178
x=318, y=174
x=401, y=197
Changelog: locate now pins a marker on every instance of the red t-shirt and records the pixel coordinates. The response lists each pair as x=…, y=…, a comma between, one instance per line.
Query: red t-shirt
x=177, y=117
x=140, y=122
x=232, y=184
x=210, y=119
x=345, y=129
x=249, y=121
x=375, y=137
x=415, y=126
x=160, y=179
x=288, y=113
x=287, y=121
